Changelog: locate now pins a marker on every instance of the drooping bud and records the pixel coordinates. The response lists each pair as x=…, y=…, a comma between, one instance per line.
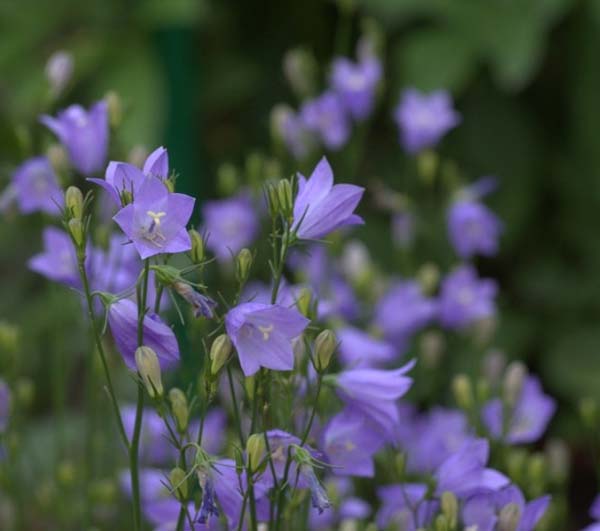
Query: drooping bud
x=179, y=407
x=243, y=263
x=463, y=391
x=115, y=108
x=220, y=351
x=255, y=448
x=197, y=251
x=450, y=508
x=178, y=481
x=77, y=232
x=74, y=202
x=203, y=306
x=325, y=345
x=536, y=473
x=514, y=377
x=509, y=517
x=149, y=369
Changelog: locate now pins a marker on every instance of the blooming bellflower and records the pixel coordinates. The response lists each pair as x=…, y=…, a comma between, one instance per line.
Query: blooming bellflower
x=262, y=335
x=230, y=224
x=326, y=116
x=322, y=207
x=529, y=418
x=290, y=127
x=359, y=349
x=356, y=84
x=156, y=221
x=423, y=119
x=58, y=261
x=83, y=133
x=35, y=188
x=473, y=228
x=404, y=506
x=122, y=319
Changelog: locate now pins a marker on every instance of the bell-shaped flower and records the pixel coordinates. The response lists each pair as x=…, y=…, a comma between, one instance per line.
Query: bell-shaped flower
x=326, y=117
x=58, y=261
x=473, y=228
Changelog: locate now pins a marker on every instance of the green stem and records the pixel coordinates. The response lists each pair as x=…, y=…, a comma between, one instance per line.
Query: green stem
x=236, y=412
x=314, y=410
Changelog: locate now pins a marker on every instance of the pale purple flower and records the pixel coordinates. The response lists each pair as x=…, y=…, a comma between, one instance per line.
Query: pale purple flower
x=473, y=229
x=292, y=130
x=155, y=448
x=322, y=207
x=595, y=514
x=214, y=431
x=58, y=261
x=404, y=506
x=423, y=119
x=354, y=509
x=262, y=335
x=34, y=188
x=528, y=420
x=359, y=349
x=83, y=133
x=403, y=229
x=156, y=221
x=327, y=117
x=5, y=402
x=115, y=269
x=59, y=69
x=121, y=177
x=465, y=298
x=356, y=84
x=350, y=442
x=375, y=393
x=337, y=299
x=122, y=319
x=230, y=224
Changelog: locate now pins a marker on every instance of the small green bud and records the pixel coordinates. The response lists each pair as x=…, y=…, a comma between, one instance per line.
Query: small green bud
x=515, y=464
x=243, y=263
x=463, y=391
x=515, y=375
x=115, y=108
x=239, y=460
x=400, y=465
x=441, y=523
x=58, y=158
x=227, y=178
x=285, y=198
x=74, y=202
x=450, y=508
x=166, y=274
x=588, y=409
x=197, y=252
x=77, y=231
x=428, y=276
x=250, y=386
x=9, y=337
x=427, y=165
x=536, y=472
x=300, y=69
x=25, y=392
x=178, y=481
x=149, y=369
x=557, y=457
x=483, y=390
x=303, y=302
x=179, y=407
x=431, y=348
x=509, y=517
x=325, y=345
x=66, y=473
x=220, y=351
x=255, y=449
x=272, y=199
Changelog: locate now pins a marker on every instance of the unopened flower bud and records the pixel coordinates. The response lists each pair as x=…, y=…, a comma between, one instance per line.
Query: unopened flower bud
x=197, y=252
x=58, y=158
x=239, y=460
x=493, y=366
x=427, y=165
x=300, y=68
x=220, y=351
x=74, y=202
x=178, y=481
x=428, y=276
x=442, y=523
x=303, y=302
x=509, y=517
x=149, y=369
x=243, y=263
x=463, y=391
x=77, y=232
x=515, y=464
x=325, y=345
x=272, y=199
x=450, y=508
x=227, y=179
x=514, y=378
x=250, y=386
x=9, y=338
x=59, y=69
x=255, y=448
x=557, y=457
x=285, y=197
x=179, y=407
x=588, y=409
x=536, y=473
x=115, y=108
x=431, y=348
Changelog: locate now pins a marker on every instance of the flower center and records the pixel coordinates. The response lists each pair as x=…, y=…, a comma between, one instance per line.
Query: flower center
x=153, y=232
x=266, y=331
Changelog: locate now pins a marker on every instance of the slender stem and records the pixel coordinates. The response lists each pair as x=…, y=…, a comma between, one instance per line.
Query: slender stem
x=236, y=412
x=314, y=410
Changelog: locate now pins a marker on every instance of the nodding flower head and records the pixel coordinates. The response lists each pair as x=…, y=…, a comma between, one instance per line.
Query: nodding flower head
x=208, y=506
x=203, y=306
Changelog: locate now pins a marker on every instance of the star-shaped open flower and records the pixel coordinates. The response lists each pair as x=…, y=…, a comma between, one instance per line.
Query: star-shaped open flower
x=262, y=335
x=156, y=221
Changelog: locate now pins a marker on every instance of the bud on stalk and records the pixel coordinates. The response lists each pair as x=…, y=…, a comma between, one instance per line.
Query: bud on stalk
x=219, y=353
x=149, y=369
x=325, y=346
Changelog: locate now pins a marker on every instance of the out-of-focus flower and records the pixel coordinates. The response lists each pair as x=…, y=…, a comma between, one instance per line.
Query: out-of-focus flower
x=289, y=126
x=155, y=448
x=403, y=229
x=405, y=506
x=203, y=305
x=122, y=319
x=58, y=261
x=465, y=298
x=59, y=69
x=473, y=229
x=84, y=134
x=5, y=401
x=424, y=119
x=231, y=224
x=262, y=335
x=322, y=207
x=356, y=84
x=527, y=420
x=156, y=221
x=359, y=349
x=34, y=188
x=327, y=117
x=349, y=444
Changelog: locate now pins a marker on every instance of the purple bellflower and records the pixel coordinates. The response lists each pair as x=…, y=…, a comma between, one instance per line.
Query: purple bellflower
x=155, y=448
x=122, y=319
x=465, y=298
x=595, y=514
x=58, y=261
x=122, y=177
x=359, y=349
x=423, y=119
x=375, y=392
x=84, y=134
x=356, y=84
x=262, y=335
x=322, y=207
x=292, y=129
x=230, y=224
x=59, y=69
x=5, y=401
x=34, y=188
x=326, y=116
x=404, y=506
x=528, y=420
x=473, y=229
x=156, y=221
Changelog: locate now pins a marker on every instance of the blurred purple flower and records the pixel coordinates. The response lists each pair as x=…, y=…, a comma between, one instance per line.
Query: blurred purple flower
x=322, y=207
x=230, y=224
x=84, y=134
x=262, y=335
x=403, y=229
x=528, y=420
x=465, y=298
x=5, y=401
x=59, y=69
x=423, y=119
x=359, y=349
x=156, y=221
x=404, y=506
x=290, y=126
x=473, y=229
x=326, y=117
x=155, y=448
x=58, y=261
x=122, y=319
